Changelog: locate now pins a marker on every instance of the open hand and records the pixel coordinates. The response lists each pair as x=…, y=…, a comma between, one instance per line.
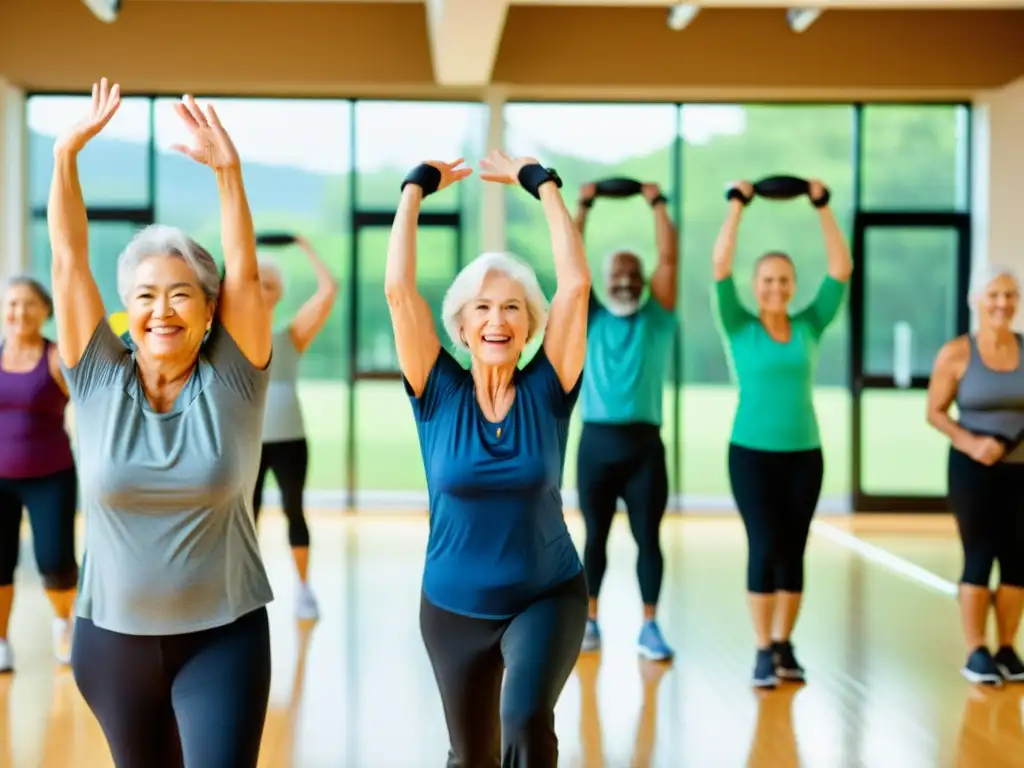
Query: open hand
x=450, y=172
x=211, y=144
x=499, y=167
x=106, y=99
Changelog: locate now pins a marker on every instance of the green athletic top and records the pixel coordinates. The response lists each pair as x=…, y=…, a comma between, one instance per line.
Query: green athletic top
x=624, y=374
x=776, y=380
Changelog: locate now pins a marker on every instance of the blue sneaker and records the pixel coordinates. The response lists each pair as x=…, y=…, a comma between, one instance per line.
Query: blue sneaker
x=652, y=645
x=981, y=668
x=591, y=636
x=764, y=669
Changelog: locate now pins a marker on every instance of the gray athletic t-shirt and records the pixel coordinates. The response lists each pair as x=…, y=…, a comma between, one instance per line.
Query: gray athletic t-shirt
x=282, y=418
x=170, y=542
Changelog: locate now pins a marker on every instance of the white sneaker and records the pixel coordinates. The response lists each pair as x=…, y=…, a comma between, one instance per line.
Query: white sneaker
x=305, y=603
x=62, y=633
x=6, y=657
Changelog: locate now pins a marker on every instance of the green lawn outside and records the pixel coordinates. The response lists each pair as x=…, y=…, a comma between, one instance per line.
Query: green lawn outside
x=902, y=455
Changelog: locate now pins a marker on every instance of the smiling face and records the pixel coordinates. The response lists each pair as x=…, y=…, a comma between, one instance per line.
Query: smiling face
x=496, y=322
x=625, y=283
x=168, y=314
x=24, y=312
x=774, y=283
x=997, y=303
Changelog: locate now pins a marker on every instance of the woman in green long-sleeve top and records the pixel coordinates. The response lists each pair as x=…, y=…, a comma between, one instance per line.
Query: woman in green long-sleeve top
x=775, y=460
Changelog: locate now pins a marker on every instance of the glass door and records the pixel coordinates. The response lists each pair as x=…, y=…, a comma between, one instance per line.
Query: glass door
x=383, y=449
x=908, y=298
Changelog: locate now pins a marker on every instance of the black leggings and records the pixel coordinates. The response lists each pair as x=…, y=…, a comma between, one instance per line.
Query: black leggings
x=196, y=700
x=514, y=727
x=777, y=493
x=624, y=461
x=288, y=461
x=51, y=501
x=988, y=503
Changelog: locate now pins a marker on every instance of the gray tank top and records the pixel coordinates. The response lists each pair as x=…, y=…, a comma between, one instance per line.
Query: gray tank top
x=282, y=418
x=992, y=402
x=170, y=540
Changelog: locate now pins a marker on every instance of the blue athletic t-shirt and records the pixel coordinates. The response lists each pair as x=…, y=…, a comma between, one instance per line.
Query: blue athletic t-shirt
x=498, y=538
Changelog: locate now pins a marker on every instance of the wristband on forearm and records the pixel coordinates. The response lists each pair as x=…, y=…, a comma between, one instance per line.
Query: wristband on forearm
x=533, y=175
x=658, y=200
x=822, y=201
x=424, y=176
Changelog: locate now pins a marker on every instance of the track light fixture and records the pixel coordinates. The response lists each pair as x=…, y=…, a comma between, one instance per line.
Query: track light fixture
x=681, y=14
x=801, y=18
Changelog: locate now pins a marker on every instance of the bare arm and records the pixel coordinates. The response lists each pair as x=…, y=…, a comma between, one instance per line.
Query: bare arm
x=565, y=341
x=664, y=282
x=411, y=319
x=314, y=313
x=840, y=264
x=949, y=368
x=583, y=205
x=725, y=245
x=53, y=365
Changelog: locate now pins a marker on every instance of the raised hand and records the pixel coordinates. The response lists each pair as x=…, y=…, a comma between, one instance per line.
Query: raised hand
x=499, y=167
x=106, y=99
x=650, y=191
x=211, y=144
x=815, y=189
x=450, y=172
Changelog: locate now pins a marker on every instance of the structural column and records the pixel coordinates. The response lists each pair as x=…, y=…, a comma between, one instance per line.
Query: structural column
x=492, y=212
x=998, y=162
x=14, y=242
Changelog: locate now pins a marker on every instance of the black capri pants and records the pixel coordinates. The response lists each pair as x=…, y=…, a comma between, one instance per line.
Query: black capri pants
x=51, y=501
x=197, y=700
x=988, y=503
x=777, y=493
x=512, y=727
x=624, y=461
x=288, y=460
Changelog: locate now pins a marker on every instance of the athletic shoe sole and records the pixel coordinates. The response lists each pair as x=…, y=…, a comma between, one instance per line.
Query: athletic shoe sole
x=765, y=683
x=1005, y=672
x=792, y=675
x=651, y=655
x=981, y=679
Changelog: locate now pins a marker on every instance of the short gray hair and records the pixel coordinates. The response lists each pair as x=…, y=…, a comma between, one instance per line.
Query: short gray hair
x=160, y=239
x=467, y=285
x=985, y=274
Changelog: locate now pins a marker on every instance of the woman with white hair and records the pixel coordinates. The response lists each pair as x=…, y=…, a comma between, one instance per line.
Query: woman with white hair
x=285, y=451
x=171, y=648
x=983, y=374
x=503, y=586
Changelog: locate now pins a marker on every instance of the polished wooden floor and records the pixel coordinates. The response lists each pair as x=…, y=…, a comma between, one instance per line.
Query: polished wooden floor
x=355, y=690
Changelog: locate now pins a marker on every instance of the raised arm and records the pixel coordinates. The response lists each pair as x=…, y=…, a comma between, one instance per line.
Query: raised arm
x=664, y=282
x=77, y=304
x=840, y=264
x=242, y=312
x=416, y=339
x=585, y=201
x=314, y=313
x=565, y=340
x=725, y=245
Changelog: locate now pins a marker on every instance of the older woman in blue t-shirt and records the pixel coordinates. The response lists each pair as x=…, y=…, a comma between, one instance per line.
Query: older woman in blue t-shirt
x=503, y=587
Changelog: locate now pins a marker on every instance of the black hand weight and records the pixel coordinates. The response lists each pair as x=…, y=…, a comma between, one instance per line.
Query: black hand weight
x=618, y=187
x=275, y=238
x=781, y=187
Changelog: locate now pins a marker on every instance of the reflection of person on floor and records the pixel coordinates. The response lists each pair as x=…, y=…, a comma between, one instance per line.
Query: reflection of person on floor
x=282, y=720
x=591, y=738
x=774, y=744
x=621, y=455
x=285, y=452
x=984, y=375
x=991, y=732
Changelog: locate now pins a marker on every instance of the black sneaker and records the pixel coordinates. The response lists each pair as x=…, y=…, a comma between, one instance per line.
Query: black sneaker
x=786, y=665
x=981, y=668
x=1009, y=664
x=764, y=669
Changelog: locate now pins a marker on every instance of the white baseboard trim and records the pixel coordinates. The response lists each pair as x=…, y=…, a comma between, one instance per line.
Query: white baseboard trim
x=383, y=501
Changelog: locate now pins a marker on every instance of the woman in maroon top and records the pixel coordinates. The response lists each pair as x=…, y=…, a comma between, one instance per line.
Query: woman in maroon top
x=37, y=470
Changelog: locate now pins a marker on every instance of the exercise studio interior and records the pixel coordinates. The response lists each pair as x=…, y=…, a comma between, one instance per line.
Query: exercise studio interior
x=511, y=384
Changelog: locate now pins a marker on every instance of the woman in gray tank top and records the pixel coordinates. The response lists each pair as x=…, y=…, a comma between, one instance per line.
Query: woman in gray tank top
x=983, y=374
x=285, y=451
x=171, y=649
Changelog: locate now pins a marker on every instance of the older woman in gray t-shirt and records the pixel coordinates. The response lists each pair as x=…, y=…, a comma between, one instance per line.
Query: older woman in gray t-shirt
x=171, y=645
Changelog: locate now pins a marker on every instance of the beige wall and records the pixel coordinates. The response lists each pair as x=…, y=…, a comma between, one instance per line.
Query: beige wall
x=13, y=158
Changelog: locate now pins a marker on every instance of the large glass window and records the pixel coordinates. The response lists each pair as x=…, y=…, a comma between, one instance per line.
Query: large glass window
x=586, y=143
x=296, y=157
x=723, y=143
